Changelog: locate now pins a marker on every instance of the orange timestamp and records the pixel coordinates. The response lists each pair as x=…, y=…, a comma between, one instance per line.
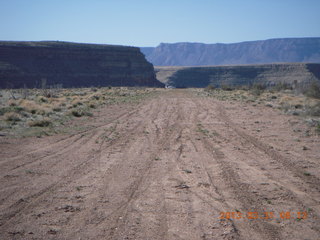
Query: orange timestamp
x=263, y=215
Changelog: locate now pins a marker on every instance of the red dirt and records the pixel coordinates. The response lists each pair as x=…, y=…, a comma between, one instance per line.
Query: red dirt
x=167, y=168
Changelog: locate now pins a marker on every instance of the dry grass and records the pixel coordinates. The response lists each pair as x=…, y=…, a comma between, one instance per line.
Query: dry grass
x=34, y=107
x=12, y=117
x=40, y=123
x=12, y=102
x=286, y=100
x=20, y=112
x=292, y=101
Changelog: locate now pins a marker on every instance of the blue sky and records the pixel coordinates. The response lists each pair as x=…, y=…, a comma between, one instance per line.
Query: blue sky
x=149, y=22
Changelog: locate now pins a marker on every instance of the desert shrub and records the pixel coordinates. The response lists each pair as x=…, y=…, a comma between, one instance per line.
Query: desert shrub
x=260, y=86
x=210, y=88
x=3, y=111
x=257, y=89
x=57, y=109
x=24, y=92
x=30, y=106
x=80, y=113
x=42, y=99
x=227, y=87
x=318, y=128
x=242, y=87
x=16, y=109
x=12, y=102
x=76, y=104
x=12, y=116
x=25, y=114
x=256, y=92
x=91, y=105
x=39, y=111
x=76, y=113
x=313, y=90
x=314, y=110
x=40, y=123
x=282, y=86
x=95, y=97
x=79, y=94
x=51, y=92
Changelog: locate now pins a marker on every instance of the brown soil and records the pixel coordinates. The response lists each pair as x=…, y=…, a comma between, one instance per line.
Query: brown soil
x=167, y=168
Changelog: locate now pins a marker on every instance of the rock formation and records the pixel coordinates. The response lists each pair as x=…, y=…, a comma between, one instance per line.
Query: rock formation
x=31, y=64
x=268, y=74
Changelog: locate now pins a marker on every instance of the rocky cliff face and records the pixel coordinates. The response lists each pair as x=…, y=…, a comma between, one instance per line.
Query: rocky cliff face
x=269, y=74
x=31, y=64
x=254, y=52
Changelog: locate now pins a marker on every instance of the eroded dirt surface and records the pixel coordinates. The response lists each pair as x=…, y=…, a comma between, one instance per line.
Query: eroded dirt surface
x=168, y=168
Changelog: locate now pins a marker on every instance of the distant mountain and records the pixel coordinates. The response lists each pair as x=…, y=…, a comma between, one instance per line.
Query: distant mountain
x=253, y=52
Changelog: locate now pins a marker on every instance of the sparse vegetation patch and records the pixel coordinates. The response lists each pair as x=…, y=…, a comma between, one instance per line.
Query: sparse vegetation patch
x=297, y=101
x=21, y=109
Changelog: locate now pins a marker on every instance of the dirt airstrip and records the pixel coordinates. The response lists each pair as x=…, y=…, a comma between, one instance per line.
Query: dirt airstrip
x=175, y=166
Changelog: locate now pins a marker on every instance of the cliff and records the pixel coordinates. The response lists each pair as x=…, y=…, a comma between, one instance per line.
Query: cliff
x=73, y=65
x=269, y=74
x=253, y=52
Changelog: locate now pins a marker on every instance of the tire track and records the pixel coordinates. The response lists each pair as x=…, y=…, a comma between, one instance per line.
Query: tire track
x=242, y=191
x=157, y=140
x=230, y=172
x=78, y=134
x=162, y=171
x=311, y=180
x=31, y=201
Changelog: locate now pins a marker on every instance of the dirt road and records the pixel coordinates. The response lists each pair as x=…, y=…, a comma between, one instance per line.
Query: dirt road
x=176, y=166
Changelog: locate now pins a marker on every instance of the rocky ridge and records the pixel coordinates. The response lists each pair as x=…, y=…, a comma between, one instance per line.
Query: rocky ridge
x=252, y=52
x=269, y=74
x=33, y=64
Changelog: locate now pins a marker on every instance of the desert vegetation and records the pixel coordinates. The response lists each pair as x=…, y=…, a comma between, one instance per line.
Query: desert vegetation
x=302, y=101
x=40, y=111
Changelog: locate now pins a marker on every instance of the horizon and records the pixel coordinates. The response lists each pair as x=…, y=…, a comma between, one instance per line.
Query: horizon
x=62, y=41
x=148, y=23
x=257, y=40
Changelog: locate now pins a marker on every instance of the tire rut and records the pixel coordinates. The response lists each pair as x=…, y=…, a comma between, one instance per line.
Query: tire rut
x=311, y=180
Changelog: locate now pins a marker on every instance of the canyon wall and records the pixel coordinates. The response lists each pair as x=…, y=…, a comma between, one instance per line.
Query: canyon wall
x=269, y=74
x=32, y=64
